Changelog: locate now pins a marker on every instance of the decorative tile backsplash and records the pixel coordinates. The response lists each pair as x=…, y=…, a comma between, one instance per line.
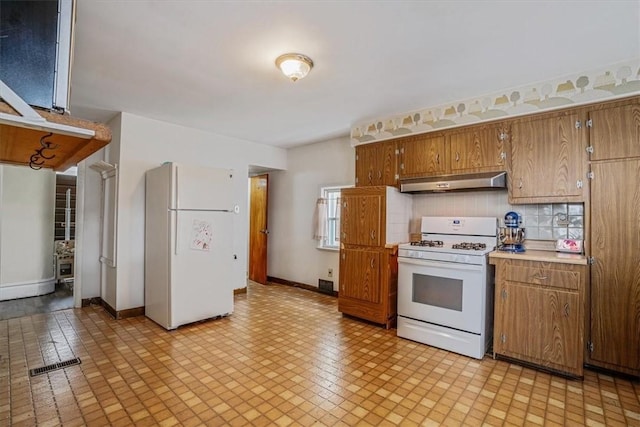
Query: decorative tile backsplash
x=609, y=82
x=553, y=221
x=541, y=221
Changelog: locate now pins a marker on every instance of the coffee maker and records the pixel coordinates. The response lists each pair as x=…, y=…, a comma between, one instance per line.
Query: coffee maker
x=511, y=236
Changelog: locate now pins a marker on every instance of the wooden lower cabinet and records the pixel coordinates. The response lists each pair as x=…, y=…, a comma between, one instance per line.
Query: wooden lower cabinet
x=369, y=284
x=539, y=314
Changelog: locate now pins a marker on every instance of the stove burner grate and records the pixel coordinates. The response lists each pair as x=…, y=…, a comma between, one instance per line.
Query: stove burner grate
x=429, y=243
x=469, y=246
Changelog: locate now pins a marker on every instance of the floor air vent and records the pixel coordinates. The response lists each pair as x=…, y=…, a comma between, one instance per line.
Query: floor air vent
x=53, y=367
x=325, y=286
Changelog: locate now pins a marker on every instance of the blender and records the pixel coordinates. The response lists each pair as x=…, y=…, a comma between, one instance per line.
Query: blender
x=511, y=236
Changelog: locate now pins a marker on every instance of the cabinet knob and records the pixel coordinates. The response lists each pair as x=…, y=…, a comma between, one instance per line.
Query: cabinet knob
x=370, y=177
x=520, y=183
x=457, y=157
x=371, y=262
x=373, y=234
x=566, y=309
x=438, y=158
x=379, y=174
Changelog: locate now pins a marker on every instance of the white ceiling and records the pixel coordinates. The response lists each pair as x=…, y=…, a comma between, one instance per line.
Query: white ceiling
x=210, y=64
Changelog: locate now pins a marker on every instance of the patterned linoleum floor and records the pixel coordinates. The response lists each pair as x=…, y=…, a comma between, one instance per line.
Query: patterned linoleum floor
x=285, y=357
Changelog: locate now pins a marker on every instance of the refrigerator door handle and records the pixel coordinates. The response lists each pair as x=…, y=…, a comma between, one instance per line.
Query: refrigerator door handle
x=175, y=232
x=176, y=204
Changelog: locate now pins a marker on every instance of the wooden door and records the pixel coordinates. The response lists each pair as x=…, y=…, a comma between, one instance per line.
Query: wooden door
x=360, y=275
x=548, y=159
x=258, y=231
x=478, y=149
x=615, y=132
x=615, y=274
x=422, y=155
x=360, y=216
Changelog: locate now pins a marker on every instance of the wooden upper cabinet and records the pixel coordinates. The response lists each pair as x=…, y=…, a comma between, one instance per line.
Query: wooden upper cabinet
x=548, y=160
x=365, y=164
x=361, y=217
x=479, y=149
x=615, y=132
x=422, y=155
x=376, y=164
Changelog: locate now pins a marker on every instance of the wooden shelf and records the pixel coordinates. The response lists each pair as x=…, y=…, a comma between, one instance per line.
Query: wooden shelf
x=18, y=144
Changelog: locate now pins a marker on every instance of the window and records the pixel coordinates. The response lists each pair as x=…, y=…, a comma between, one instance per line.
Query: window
x=331, y=238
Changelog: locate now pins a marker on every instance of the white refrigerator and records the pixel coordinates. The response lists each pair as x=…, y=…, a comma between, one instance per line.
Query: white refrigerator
x=188, y=244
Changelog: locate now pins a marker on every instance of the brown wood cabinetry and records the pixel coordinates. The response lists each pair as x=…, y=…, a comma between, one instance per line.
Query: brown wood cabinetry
x=376, y=164
x=362, y=217
x=478, y=149
x=539, y=312
x=422, y=155
x=368, y=262
x=615, y=273
x=615, y=132
x=548, y=160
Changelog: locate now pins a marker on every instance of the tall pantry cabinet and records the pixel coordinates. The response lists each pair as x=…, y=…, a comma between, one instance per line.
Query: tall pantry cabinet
x=614, y=341
x=374, y=220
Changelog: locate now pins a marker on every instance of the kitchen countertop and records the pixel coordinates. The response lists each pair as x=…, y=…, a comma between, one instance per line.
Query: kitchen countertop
x=543, y=256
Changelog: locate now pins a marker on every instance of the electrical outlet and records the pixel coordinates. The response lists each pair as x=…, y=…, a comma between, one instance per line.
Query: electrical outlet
x=330, y=272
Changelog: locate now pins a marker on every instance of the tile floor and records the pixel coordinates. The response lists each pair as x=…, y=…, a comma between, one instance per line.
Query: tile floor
x=285, y=357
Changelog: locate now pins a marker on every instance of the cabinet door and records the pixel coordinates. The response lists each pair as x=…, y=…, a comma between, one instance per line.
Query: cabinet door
x=615, y=274
x=562, y=317
x=366, y=164
x=540, y=325
x=477, y=150
x=422, y=156
x=388, y=167
x=376, y=164
x=360, y=275
x=361, y=217
x=548, y=160
x=615, y=132
x=521, y=317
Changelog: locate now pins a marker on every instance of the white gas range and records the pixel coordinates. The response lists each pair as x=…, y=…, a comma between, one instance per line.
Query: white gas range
x=445, y=284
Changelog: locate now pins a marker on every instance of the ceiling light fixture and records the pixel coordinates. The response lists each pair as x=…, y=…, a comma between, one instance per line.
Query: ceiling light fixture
x=294, y=65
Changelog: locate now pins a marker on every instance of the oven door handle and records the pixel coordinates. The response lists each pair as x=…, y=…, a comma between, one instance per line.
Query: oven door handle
x=438, y=264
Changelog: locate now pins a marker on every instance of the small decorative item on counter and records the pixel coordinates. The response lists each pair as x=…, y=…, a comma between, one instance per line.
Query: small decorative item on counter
x=569, y=245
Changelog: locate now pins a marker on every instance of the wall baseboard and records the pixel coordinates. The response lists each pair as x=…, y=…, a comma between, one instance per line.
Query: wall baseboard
x=86, y=302
x=240, y=291
x=299, y=285
x=118, y=315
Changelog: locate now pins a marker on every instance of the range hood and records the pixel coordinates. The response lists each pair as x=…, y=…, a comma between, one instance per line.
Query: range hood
x=467, y=182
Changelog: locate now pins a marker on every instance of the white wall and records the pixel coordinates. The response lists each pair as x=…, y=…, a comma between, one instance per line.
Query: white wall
x=143, y=144
x=292, y=252
x=27, y=203
x=88, y=211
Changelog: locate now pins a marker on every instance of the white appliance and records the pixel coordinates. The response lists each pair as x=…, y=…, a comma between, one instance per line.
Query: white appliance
x=445, y=284
x=188, y=244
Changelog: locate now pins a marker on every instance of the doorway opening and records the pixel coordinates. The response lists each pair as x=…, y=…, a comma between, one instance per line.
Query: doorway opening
x=39, y=260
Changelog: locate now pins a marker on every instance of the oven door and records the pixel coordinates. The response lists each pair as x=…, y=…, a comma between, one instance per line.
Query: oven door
x=443, y=293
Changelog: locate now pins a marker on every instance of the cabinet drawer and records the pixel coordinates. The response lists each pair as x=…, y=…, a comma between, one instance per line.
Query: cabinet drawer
x=544, y=276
